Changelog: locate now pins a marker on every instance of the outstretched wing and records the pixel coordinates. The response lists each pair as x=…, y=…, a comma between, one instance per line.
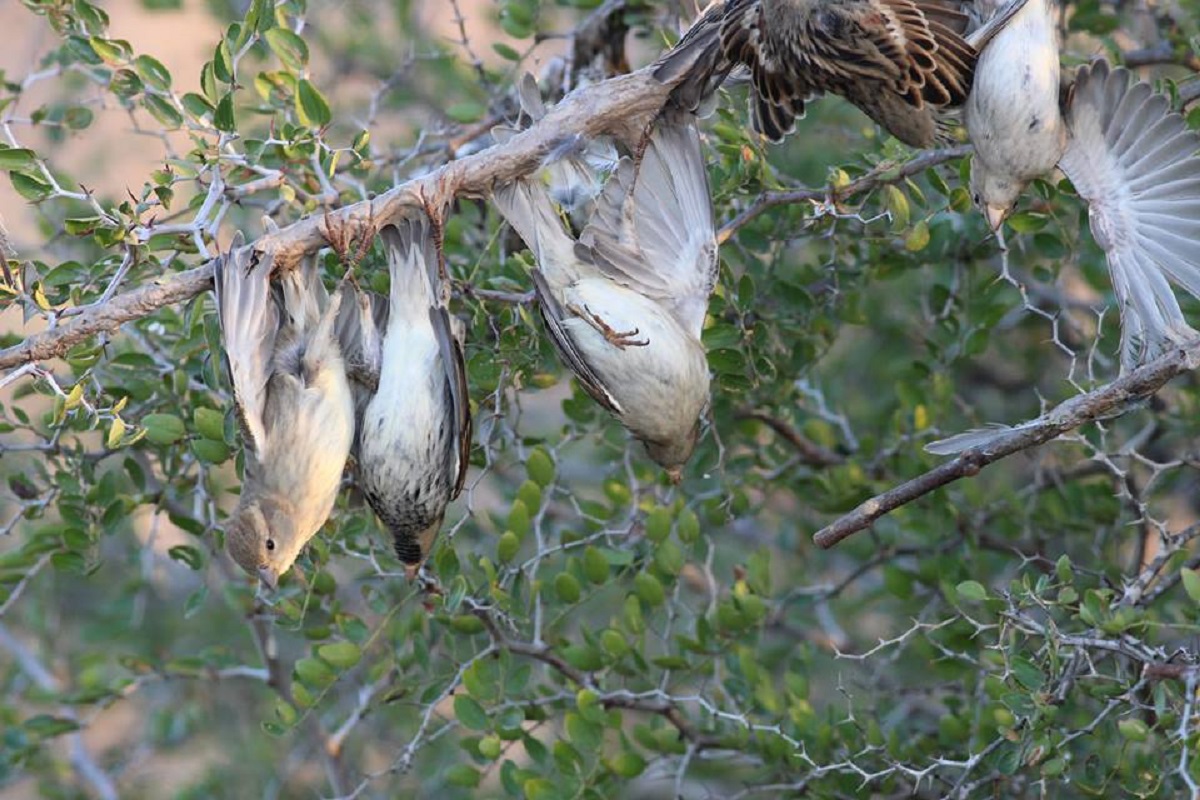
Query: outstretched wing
x=779, y=89
x=653, y=226
x=249, y=324
x=1135, y=161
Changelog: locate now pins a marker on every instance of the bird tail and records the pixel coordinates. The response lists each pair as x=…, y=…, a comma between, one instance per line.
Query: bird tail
x=310, y=315
x=527, y=207
x=361, y=320
x=249, y=324
x=987, y=30
x=414, y=262
x=1135, y=162
x=696, y=65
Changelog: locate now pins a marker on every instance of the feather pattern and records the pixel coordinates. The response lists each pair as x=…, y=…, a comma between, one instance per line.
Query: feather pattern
x=413, y=447
x=625, y=303
x=653, y=226
x=1137, y=164
x=249, y=322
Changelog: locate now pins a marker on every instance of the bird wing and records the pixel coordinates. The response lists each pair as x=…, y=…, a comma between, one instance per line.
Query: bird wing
x=697, y=64
x=249, y=324
x=653, y=226
x=1135, y=162
x=554, y=317
x=779, y=90
x=905, y=42
x=451, y=337
x=362, y=319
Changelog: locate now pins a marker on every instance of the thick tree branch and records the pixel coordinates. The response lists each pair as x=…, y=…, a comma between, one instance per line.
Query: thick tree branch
x=622, y=107
x=1068, y=415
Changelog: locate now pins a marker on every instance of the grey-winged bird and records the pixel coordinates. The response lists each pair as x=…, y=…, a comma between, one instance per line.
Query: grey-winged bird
x=293, y=402
x=897, y=60
x=625, y=304
x=1132, y=158
x=405, y=353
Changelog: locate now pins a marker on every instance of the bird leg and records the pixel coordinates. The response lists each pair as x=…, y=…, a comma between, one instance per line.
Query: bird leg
x=350, y=240
x=620, y=339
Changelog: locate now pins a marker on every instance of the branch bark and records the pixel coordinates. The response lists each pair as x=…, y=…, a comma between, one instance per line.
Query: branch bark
x=621, y=107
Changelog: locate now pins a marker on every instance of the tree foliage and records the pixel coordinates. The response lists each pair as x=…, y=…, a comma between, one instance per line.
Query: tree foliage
x=1025, y=632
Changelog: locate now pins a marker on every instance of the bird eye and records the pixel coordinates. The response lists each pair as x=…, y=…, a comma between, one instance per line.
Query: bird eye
x=270, y=544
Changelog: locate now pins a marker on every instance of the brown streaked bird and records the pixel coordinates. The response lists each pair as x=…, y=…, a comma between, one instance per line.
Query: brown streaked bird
x=405, y=354
x=625, y=303
x=293, y=402
x=899, y=61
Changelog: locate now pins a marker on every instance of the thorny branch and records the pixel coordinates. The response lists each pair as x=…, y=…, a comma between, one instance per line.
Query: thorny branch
x=1068, y=415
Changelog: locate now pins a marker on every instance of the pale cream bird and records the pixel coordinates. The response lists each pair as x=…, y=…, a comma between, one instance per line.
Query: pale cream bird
x=1126, y=152
x=625, y=304
x=293, y=402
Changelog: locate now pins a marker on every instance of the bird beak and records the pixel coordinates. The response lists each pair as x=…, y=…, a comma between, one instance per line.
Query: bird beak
x=268, y=577
x=995, y=216
x=676, y=475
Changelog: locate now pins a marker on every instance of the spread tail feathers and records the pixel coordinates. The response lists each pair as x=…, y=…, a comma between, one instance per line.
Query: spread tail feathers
x=1136, y=163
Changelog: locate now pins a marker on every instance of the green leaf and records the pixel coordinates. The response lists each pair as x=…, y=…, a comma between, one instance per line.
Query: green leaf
x=222, y=63
x=314, y=672
x=463, y=775
x=209, y=423
x=595, y=565
x=540, y=467
x=166, y=114
x=153, y=73
x=16, y=158
x=470, y=714
x=971, y=591
x=508, y=547
x=628, y=764
x=289, y=48
x=506, y=52
x=44, y=726
x=186, y=554
x=658, y=524
x=567, y=587
x=163, y=428
x=223, y=119
x=311, y=107
x=211, y=452
x=1133, y=729
x=648, y=589
x=1191, y=583
x=77, y=118
x=342, y=655
x=31, y=188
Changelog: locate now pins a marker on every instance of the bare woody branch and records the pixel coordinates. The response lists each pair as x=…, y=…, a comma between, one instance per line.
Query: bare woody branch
x=621, y=107
x=1068, y=415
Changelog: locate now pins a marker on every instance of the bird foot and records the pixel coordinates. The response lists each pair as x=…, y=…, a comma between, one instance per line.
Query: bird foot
x=620, y=339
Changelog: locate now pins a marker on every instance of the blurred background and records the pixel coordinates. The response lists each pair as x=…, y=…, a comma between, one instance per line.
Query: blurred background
x=1028, y=632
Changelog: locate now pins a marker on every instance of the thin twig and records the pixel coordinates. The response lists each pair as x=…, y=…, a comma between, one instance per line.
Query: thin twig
x=1066, y=416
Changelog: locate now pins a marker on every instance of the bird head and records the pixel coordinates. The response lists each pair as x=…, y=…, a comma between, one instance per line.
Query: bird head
x=672, y=453
x=994, y=195
x=262, y=538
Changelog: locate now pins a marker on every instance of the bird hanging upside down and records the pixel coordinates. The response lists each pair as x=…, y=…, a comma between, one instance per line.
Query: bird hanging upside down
x=293, y=402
